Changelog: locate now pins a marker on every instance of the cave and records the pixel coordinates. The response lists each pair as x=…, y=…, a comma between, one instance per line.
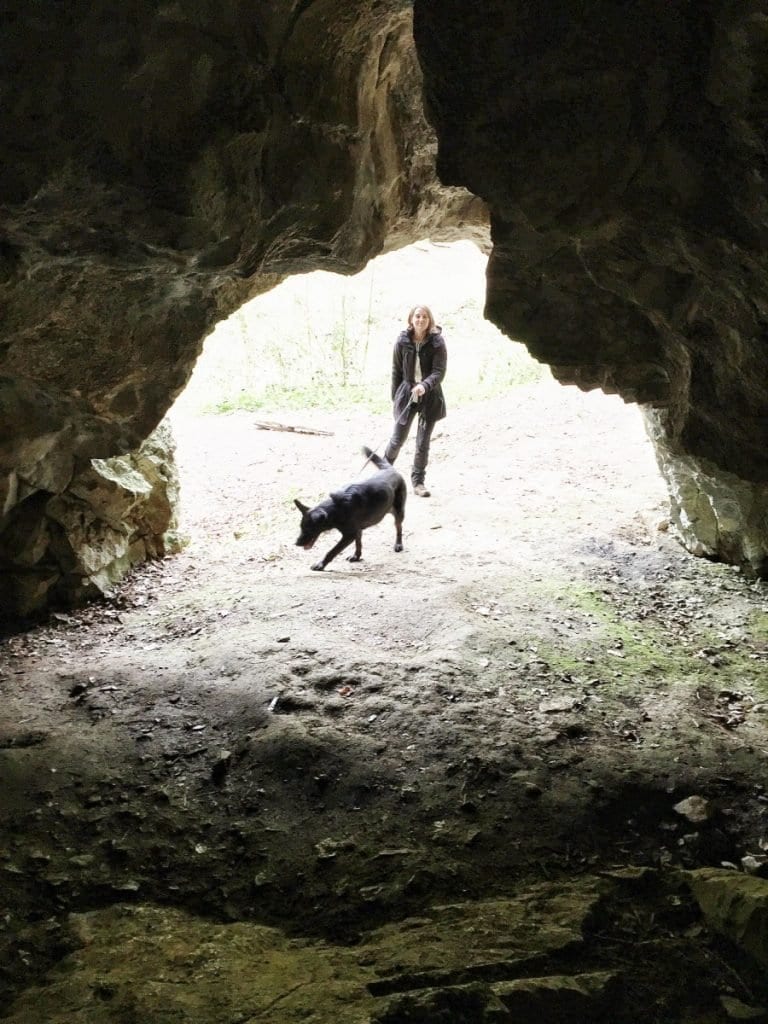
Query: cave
x=194, y=823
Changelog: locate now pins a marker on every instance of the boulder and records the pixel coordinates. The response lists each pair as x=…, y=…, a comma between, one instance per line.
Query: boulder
x=734, y=905
x=115, y=513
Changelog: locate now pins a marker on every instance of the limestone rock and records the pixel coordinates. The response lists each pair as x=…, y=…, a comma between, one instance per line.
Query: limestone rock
x=715, y=513
x=158, y=964
x=476, y=1003
x=737, y=1010
x=695, y=809
x=114, y=514
x=556, y=999
x=735, y=905
x=561, y=999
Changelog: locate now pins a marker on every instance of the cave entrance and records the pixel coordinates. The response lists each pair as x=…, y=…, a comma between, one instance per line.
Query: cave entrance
x=324, y=340
x=289, y=388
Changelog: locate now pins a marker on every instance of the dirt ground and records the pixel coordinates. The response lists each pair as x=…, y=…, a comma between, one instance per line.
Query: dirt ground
x=528, y=691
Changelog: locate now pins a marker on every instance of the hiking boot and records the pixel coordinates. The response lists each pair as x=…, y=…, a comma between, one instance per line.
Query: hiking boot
x=421, y=490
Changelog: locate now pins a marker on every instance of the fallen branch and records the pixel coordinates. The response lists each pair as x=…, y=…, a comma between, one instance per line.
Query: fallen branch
x=270, y=425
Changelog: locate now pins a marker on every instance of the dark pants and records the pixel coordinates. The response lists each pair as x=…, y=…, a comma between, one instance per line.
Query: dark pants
x=423, y=437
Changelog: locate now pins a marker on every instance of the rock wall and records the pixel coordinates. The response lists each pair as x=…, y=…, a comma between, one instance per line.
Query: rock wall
x=716, y=514
x=622, y=151
x=166, y=163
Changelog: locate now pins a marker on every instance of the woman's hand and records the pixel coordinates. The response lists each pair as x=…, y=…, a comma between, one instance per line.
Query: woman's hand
x=417, y=392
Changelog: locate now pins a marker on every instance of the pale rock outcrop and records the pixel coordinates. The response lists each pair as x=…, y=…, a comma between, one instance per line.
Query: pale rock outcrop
x=734, y=905
x=715, y=514
x=66, y=546
x=473, y=960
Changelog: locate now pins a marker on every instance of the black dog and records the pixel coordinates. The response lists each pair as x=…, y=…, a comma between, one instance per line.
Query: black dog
x=354, y=509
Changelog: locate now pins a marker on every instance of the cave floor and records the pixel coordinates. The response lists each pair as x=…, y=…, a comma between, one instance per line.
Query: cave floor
x=525, y=695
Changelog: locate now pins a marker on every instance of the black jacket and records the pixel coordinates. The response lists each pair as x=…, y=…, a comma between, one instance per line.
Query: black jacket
x=433, y=357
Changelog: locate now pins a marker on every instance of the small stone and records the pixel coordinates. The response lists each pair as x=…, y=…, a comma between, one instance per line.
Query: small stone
x=551, y=707
x=755, y=865
x=82, y=860
x=128, y=886
x=737, y=1010
x=326, y=849
x=695, y=809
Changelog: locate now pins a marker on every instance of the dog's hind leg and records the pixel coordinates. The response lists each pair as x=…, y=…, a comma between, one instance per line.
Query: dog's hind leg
x=398, y=534
x=330, y=555
x=398, y=511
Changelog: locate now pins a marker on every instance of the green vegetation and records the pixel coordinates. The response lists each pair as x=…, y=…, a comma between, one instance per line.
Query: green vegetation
x=310, y=397
x=758, y=627
x=325, y=341
x=621, y=647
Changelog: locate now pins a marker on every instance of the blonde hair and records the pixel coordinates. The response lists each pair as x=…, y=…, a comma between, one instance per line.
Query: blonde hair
x=428, y=311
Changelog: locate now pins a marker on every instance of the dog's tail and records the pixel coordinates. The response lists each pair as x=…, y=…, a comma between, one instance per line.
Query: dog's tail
x=377, y=460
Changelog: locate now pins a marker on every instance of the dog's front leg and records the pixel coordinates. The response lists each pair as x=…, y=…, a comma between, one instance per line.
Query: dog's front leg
x=343, y=543
x=358, y=555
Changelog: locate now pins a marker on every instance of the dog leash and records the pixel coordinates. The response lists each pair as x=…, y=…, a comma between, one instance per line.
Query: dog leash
x=403, y=416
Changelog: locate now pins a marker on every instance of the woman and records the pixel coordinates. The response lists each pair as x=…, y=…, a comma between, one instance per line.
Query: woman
x=419, y=360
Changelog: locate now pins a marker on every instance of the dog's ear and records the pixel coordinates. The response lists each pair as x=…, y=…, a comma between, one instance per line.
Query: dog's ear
x=302, y=508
